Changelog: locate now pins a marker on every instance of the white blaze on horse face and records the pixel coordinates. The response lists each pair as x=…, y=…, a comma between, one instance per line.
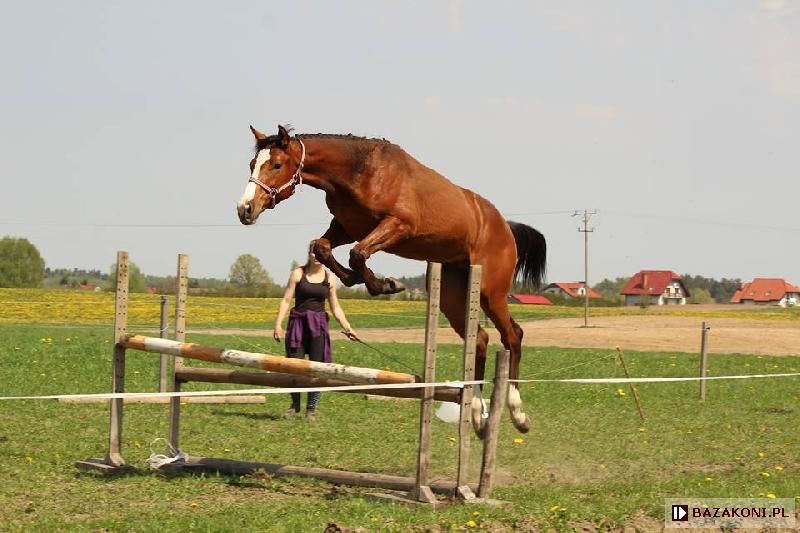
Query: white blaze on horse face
x=250, y=191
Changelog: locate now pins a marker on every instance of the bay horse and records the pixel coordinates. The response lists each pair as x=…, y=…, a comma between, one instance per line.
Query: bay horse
x=385, y=200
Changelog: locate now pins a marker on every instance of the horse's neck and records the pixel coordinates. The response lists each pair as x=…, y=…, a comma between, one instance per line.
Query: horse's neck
x=329, y=167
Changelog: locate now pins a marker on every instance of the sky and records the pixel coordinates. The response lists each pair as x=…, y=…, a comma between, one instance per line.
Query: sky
x=124, y=125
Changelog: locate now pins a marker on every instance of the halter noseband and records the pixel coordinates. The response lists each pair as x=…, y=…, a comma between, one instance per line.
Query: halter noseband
x=296, y=179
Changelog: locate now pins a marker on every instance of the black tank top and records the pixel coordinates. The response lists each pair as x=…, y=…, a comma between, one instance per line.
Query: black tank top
x=311, y=296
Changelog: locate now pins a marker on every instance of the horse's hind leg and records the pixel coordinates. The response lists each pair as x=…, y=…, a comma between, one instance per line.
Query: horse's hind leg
x=453, y=303
x=496, y=308
x=389, y=232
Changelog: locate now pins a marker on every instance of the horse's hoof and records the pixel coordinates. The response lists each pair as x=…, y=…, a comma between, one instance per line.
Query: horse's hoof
x=478, y=420
x=392, y=286
x=523, y=426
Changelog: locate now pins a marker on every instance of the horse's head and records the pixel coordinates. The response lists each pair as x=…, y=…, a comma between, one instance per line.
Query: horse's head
x=274, y=174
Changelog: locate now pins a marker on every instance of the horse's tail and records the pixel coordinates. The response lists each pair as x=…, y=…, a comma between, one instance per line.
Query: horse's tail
x=531, y=254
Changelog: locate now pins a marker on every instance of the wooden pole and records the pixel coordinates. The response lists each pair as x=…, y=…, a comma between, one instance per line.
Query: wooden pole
x=470, y=341
x=274, y=379
x=272, y=363
x=180, y=335
x=633, y=385
x=114, y=457
x=703, y=359
x=422, y=491
x=242, y=468
x=498, y=402
x=163, y=367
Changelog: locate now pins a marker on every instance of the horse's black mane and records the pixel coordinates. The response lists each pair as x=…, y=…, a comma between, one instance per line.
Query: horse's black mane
x=273, y=139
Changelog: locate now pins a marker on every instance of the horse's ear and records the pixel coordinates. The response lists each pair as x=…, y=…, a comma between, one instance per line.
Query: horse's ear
x=283, y=137
x=259, y=135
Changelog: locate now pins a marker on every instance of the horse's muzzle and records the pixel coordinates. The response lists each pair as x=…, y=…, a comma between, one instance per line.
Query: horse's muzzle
x=245, y=212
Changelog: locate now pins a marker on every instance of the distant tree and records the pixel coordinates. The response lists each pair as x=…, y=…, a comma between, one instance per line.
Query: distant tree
x=701, y=296
x=610, y=289
x=21, y=265
x=720, y=290
x=294, y=265
x=247, y=272
x=136, y=280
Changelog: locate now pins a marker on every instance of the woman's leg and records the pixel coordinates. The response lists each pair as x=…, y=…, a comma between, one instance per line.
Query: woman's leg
x=296, y=353
x=316, y=352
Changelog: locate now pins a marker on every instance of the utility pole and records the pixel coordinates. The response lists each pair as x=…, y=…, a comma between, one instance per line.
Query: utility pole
x=585, y=216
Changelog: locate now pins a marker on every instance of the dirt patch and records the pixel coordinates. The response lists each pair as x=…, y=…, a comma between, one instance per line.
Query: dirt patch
x=639, y=333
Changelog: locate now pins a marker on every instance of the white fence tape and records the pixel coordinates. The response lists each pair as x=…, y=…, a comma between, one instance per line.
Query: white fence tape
x=452, y=384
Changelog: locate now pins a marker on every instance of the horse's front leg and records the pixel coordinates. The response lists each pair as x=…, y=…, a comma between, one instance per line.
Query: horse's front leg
x=335, y=236
x=388, y=232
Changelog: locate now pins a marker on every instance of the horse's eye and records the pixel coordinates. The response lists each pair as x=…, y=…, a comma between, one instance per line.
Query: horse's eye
x=277, y=166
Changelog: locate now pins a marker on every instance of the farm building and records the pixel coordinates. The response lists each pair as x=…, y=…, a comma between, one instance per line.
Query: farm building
x=571, y=289
x=767, y=291
x=655, y=287
x=532, y=299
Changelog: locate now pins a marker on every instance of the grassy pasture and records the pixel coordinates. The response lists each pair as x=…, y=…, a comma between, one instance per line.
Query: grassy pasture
x=588, y=460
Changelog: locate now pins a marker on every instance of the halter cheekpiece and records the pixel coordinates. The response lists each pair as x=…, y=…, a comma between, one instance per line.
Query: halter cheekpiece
x=296, y=179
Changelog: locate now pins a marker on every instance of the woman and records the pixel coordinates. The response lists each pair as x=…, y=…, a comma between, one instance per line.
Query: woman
x=310, y=285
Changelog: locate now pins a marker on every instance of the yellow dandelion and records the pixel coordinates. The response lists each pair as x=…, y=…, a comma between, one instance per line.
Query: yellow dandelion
x=471, y=523
x=29, y=459
x=555, y=508
x=645, y=442
x=764, y=474
x=771, y=495
x=709, y=479
x=136, y=444
x=642, y=430
x=193, y=504
x=760, y=455
x=620, y=392
x=518, y=440
x=476, y=513
x=226, y=449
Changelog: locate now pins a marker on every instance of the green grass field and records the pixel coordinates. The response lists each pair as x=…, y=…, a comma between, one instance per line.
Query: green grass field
x=588, y=461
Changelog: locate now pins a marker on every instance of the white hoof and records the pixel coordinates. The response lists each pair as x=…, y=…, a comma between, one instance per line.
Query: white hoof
x=479, y=415
x=518, y=416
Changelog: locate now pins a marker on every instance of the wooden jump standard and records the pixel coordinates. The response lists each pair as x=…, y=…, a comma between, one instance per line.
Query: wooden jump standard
x=285, y=372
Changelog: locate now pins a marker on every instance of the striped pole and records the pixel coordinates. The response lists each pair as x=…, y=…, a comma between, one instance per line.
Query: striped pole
x=272, y=363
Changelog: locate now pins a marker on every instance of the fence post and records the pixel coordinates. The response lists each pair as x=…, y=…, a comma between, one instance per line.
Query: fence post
x=163, y=368
x=180, y=336
x=703, y=360
x=422, y=491
x=470, y=341
x=114, y=457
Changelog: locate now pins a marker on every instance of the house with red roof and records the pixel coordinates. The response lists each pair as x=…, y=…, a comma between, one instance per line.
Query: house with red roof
x=571, y=289
x=531, y=299
x=655, y=287
x=767, y=291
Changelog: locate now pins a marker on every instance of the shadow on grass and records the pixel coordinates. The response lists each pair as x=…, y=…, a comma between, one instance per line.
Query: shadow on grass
x=251, y=416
